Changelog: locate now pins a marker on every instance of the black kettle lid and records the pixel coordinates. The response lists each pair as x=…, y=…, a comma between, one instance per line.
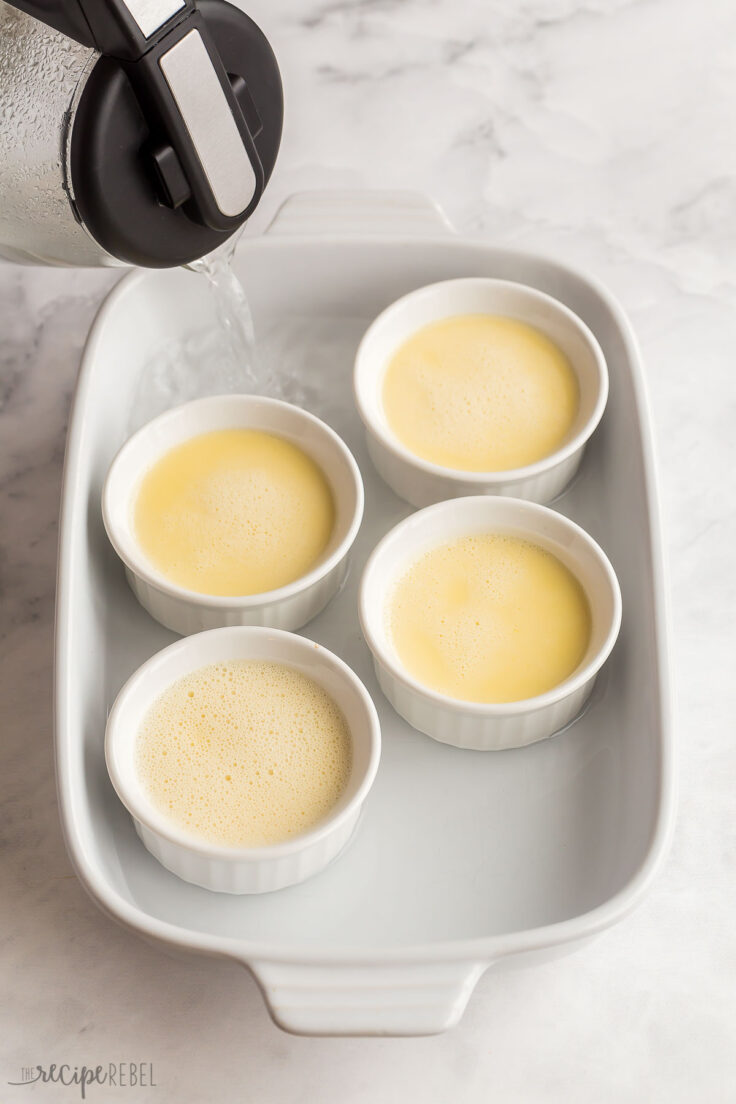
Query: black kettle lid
x=155, y=179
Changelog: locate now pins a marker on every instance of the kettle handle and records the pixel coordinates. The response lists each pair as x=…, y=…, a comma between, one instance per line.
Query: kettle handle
x=203, y=151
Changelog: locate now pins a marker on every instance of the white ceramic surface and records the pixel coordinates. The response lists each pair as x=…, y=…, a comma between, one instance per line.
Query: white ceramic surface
x=466, y=860
x=472, y=725
x=230, y=869
x=184, y=611
x=421, y=482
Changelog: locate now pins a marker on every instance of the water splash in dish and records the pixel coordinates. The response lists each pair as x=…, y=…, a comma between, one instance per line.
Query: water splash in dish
x=234, y=319
x=216, y=359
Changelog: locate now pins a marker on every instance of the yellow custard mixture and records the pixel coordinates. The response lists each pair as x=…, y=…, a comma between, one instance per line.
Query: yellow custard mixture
x=244, y=753
x=489, y=618
x=234, y=512
x=480, y=392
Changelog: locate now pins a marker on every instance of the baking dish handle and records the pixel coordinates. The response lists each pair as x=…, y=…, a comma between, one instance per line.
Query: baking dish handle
x=359, y=214
x=401, y=999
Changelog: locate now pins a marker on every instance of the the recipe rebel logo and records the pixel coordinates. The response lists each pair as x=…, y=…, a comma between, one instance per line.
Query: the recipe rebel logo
x=117, y=1075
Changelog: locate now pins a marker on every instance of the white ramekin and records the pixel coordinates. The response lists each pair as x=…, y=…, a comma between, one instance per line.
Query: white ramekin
x=186, y=611
x=470, y=724
x=236, y=869
x=421, y=482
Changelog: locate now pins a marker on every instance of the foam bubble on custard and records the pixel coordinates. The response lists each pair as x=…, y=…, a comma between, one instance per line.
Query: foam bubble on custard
x=234, y=512
x=480, y=393
x=489, y=618
x=244, y=753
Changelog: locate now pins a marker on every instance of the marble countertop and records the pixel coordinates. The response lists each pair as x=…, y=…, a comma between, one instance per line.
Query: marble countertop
x=601, y=131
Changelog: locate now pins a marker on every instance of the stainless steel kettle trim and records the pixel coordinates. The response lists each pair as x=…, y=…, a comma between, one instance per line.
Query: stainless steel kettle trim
x=182, y=85
x=83, y=172
x=185, y=94
x=212, y=129
x=41, y=71
x=193, y=82
x=150, y=15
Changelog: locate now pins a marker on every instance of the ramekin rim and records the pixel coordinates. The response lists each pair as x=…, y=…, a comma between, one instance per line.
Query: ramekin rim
x=140, y=809
x=142, y=570
x=494, y=477
x=565, y=689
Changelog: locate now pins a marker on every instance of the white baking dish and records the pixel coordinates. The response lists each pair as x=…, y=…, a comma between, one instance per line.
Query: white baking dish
x=462, y=860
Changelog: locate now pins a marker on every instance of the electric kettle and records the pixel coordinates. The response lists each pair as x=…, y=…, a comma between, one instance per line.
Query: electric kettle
x=131, y=131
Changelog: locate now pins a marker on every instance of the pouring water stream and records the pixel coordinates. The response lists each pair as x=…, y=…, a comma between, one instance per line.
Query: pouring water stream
x=215, y=359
